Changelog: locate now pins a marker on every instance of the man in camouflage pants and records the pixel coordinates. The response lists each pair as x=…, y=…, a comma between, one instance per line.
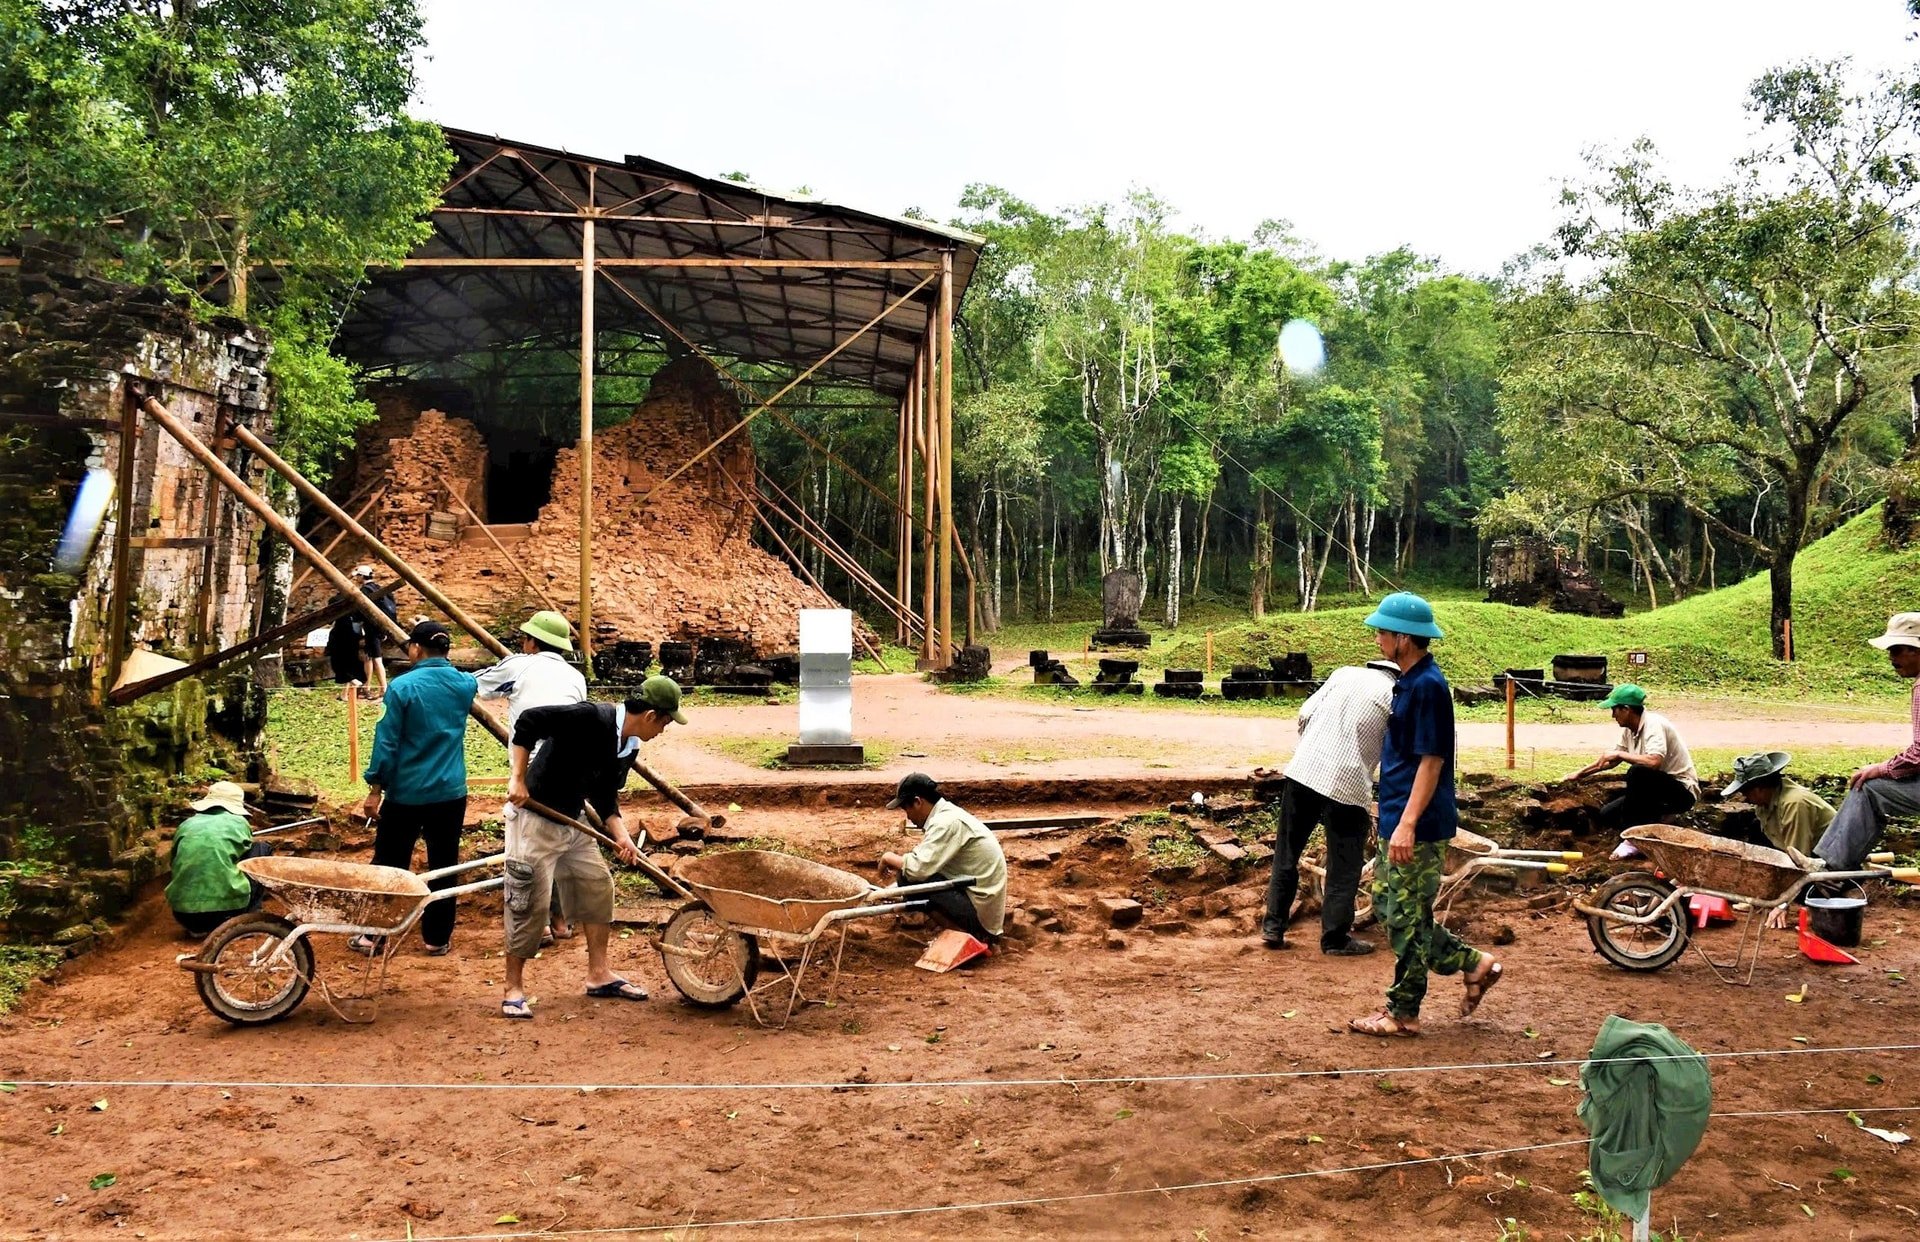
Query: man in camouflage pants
x=1416, y=796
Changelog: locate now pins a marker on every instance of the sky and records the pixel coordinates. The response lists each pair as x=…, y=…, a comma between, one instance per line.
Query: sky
x=1445, y=126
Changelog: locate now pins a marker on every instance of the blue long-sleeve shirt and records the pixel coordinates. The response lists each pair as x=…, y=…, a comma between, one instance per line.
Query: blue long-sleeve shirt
x=419, y=746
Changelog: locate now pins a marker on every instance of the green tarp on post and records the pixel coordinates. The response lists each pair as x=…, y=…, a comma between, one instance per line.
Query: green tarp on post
x=1645, y=1115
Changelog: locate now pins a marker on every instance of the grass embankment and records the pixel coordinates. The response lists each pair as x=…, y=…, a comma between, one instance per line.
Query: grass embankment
x=1845, y=587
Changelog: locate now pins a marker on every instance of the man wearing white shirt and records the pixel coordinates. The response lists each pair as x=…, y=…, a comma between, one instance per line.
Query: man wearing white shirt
x=538, y=677
x=1330, y=783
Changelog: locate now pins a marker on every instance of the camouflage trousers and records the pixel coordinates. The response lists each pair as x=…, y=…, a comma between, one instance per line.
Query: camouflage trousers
x=1403, y=903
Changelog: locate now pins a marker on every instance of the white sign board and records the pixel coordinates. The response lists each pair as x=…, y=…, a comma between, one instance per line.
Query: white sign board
x=826, y=676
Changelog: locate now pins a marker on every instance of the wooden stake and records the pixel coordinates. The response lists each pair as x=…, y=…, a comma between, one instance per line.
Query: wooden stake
x=353, y=733
x=1786, y=633
x=1510, y=701
x=1209, y=653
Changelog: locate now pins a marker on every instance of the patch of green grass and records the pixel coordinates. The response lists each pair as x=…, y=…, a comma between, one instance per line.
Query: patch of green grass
x=771, y=753
x=20, y=965
x=306, y=743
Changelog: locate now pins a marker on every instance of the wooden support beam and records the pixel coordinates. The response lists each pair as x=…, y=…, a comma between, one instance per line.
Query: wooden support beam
x=334, y=542
x=585, y=448
x=930, y=478
x=737, y=261
x=944, y=325
x=118, y=607
x=239, y=651
x=171, y=541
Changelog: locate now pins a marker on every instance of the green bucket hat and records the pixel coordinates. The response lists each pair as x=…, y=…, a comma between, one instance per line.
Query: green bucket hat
x=1626, y=694
x=1403, y=612
x=1749, y=768
x=550, y=628
x=662, y=694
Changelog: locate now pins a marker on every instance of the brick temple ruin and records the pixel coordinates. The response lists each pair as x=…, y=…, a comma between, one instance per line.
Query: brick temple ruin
x=674, y=559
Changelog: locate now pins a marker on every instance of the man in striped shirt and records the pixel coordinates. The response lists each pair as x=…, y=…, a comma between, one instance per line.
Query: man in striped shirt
x=1330, y=782
x=1881, y=791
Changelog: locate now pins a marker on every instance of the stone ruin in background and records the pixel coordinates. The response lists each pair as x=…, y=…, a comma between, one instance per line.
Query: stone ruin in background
x=1121, y=593
x=678, y=577
x=1527, y=569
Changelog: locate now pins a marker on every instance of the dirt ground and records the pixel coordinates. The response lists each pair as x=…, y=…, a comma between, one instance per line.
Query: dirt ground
x=991, y=736
x=917, y=1090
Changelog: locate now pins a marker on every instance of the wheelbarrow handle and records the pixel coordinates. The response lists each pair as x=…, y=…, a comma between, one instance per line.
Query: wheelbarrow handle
x=920, y=890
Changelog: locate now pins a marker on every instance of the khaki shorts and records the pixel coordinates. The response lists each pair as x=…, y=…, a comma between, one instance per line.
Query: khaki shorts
x=540, y=855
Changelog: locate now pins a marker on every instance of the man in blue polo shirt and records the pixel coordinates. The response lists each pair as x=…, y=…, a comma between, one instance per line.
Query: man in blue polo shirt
x=1417, y=819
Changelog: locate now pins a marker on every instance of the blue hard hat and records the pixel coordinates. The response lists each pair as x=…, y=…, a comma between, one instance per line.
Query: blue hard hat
x=1403, y=612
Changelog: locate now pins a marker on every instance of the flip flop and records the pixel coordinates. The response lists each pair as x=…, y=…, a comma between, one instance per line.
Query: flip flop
x=1477, y=990
x=1382, y=1025
x=618, y=989
x=366, y=946
x=518, y=1010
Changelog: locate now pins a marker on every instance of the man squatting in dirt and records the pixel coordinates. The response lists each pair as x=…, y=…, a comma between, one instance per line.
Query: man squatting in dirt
x=539, y=676
x=1661, y=782
x=1880, y=791
x=952, y=844
x=1416, y=797
x=589, y=749
x=1330, y=782
x=1792, y=817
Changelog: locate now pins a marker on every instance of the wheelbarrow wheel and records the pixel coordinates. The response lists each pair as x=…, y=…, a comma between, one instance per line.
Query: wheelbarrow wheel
x=1637, y=946
x=241, y=987
x=711, y=964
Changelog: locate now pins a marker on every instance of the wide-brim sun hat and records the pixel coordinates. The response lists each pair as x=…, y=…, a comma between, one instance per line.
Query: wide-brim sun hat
x=1903, y=630
x=550, y=628
x=1403, y=612
x=223, y=796
x=1750, y=768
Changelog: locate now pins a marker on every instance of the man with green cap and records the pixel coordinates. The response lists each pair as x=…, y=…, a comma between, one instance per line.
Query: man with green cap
x=566, y=757
x=1661, y=781
x=1418, y=817
x=540, y=676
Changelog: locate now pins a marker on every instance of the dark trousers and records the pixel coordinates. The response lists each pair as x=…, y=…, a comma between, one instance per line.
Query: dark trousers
x=953, y=907
x=1651, y=796
x=1347, y=829
x=438, y=823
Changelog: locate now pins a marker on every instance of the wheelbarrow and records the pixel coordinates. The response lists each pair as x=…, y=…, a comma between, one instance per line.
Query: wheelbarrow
x=1468, y=854
x=711, y=946
x=1638, y=919
x=257, y=967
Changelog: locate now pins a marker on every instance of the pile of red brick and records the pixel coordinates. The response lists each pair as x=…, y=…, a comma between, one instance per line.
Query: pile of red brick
x=673, y=560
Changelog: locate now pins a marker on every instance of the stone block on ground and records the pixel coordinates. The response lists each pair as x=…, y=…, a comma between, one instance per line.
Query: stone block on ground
x=1121, y=911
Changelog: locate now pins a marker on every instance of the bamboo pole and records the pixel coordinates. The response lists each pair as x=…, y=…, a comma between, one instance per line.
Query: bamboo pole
x=585, y=449
x=122, y=601
x=504, y=554
x=945, y=328
x=929, y=453
x=902, y=491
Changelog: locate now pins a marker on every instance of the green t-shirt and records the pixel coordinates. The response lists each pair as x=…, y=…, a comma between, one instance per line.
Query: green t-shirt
x=205, y=878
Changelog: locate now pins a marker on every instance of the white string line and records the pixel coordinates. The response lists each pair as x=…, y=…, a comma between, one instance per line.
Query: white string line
x=1047, y=1200
x=947, y=1084
x=996, y=1205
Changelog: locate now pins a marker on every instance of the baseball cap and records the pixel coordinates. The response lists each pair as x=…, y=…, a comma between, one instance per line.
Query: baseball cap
x=662, y=694
x=914, y=785
x=363, y=571
x=1626, y=694
x=432, y=635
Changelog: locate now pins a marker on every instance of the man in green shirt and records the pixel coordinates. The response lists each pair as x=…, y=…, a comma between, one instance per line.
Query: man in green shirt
x=1791, y=815
x=208, y=887
x=952, y=844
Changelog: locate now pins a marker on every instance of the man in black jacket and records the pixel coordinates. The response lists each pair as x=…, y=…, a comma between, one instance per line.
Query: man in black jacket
x=590, y=748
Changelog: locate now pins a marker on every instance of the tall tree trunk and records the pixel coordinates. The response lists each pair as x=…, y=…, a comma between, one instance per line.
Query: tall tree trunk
x=1173, y=567
x=1780, y=592
x=1366, y=550
x=1200, y=545
x=1261, y=561
x=1320, y=574
x=999, y=541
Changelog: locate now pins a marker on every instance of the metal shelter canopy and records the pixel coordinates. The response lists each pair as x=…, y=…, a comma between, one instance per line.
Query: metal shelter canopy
x=730, y=268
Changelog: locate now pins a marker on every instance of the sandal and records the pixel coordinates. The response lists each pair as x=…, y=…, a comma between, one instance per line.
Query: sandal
x=618, y=989
x=440, y=950
x=1383, y=1025
x=1477, y=989
x=519, y=1010
x=366, y=946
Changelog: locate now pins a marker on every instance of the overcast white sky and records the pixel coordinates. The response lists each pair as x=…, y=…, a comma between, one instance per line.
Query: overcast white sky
x=1368, y=123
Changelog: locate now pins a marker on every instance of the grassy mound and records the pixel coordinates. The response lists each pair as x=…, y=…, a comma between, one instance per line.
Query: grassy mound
x=1844, y=588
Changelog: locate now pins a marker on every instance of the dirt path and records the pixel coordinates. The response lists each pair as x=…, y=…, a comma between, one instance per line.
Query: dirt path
x=981, y=736
x=1197, y=998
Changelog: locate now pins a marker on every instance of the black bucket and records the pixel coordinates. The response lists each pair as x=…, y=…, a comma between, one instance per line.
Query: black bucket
x=1837, y=920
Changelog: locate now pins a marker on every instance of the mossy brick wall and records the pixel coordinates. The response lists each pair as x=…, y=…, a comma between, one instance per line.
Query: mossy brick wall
x=81, y=783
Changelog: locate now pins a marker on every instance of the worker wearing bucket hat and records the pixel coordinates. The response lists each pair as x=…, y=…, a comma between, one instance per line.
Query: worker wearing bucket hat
x=539, y=676
x=1890, y=788
x=1661, y=781
x=1791, y=816
x=1417, y=819
x=207, y=886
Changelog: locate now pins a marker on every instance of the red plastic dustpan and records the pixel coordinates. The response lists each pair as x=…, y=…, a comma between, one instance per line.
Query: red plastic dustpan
x=1817, y=950
x=949, y=949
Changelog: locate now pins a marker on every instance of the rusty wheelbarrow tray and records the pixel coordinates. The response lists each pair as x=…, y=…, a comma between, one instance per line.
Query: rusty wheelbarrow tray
x=710, y=947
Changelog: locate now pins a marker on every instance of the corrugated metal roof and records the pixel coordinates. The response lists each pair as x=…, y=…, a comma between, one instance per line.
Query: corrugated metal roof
x=518, y=201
